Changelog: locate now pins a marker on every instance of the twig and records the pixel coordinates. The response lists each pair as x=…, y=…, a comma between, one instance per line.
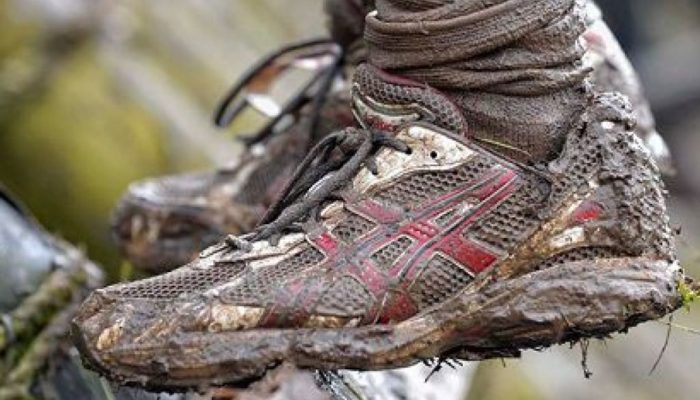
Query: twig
x=663, y=349
x=584, y=358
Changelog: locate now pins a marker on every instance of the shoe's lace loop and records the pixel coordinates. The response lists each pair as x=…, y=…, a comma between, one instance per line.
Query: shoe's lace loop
x=323, y=56
x=328, y=167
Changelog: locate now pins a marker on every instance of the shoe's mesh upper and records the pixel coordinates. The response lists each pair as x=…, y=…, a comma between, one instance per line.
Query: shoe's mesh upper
x=346, y=298
x=650, y=212
x=352, y=227
x=257, y=286
x=580, y=254
x=506, y=225
x=385, y=257
x=415, y=189
x=584, y=163
x=180, y=282
x=440, y=279
x=644, y=221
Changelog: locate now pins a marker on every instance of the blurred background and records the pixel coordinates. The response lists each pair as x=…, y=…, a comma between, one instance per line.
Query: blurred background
x=96, y=93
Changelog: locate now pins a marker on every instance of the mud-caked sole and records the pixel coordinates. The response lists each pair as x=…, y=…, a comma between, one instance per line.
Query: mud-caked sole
x=565, y=303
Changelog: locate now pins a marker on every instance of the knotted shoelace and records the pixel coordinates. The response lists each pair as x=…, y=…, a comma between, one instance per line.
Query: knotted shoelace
x=328, y=168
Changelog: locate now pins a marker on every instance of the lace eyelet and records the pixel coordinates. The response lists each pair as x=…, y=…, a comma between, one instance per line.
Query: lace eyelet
x=434, y=155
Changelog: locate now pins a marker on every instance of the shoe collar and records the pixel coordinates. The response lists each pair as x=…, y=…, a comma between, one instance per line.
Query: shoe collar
x=375, y=105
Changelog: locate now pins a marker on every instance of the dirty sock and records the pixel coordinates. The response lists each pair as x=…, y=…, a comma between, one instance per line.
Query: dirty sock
x=513, y=66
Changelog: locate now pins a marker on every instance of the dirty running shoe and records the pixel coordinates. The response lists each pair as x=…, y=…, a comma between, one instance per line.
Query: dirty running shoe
x=162, y=223
x=421, y=244
x=418, y=236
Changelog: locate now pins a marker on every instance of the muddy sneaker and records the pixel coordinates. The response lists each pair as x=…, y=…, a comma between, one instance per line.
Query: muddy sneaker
x=445, y=227
x=162, y=223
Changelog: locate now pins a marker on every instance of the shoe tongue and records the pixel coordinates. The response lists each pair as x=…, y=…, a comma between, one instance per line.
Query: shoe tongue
x=387, y=102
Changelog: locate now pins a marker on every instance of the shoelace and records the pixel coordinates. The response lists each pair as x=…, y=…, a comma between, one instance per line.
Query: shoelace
x=315, y=91
x=322, y=173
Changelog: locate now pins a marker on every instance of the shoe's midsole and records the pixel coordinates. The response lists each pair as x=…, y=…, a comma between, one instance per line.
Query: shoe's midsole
x=564, y=303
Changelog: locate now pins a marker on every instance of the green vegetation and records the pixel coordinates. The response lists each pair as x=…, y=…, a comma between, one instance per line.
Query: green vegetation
x=688, y=294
